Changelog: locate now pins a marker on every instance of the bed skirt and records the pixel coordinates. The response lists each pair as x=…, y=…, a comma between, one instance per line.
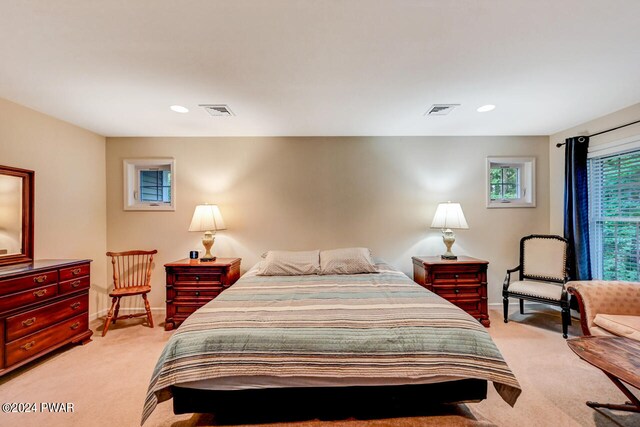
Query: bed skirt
x=279, y=404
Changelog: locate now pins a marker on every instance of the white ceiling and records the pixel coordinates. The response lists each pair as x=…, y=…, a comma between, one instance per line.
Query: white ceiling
x=285, y=67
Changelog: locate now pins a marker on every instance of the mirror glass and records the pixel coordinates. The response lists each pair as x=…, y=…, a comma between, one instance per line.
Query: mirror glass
x=11, y=215
x=16, y=215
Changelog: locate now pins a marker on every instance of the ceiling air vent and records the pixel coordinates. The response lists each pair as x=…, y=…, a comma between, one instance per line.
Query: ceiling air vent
x=440, y=109
x=218, y=110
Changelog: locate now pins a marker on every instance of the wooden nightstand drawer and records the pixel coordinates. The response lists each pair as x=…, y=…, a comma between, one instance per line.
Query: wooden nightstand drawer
x=189, y=278
x=456, y=292
x=464, y=275
x=192, y=283
x=471, y=307
x=197, y=294
x=462, y=282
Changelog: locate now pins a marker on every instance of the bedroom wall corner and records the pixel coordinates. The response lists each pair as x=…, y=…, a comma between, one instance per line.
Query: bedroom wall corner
x=70, y=187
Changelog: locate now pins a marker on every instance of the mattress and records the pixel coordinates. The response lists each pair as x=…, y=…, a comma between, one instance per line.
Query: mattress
x=330, y=331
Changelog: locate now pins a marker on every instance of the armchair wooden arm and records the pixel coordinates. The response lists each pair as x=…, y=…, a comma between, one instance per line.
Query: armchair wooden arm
x=507, y=277
x=606, y=297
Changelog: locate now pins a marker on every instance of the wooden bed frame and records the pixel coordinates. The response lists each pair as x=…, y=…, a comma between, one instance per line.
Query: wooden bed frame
x=258, y=405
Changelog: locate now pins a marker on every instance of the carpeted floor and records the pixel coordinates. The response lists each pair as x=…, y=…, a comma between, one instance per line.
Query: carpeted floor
x=106, y=381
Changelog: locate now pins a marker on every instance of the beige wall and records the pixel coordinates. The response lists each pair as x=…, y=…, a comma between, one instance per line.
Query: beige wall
x=69, y=162
x=305, y=193
x=556, y=157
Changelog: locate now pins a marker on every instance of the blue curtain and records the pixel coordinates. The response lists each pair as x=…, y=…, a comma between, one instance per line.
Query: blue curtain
x=576, y=207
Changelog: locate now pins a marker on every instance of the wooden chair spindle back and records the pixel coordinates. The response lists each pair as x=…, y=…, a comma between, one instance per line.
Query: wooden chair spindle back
x=131, y=268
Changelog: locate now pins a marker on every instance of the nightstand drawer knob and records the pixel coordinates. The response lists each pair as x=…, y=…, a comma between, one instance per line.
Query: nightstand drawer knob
x=456, y=275
x=197, y=277
x=197, y=293
x=457, y=291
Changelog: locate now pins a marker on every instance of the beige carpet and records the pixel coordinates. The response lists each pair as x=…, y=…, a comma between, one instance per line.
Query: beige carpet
x=106, y=381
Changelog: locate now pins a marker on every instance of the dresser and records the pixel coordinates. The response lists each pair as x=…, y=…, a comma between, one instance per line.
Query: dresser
x=193, y=283
x=462, y=282
x=43, y=306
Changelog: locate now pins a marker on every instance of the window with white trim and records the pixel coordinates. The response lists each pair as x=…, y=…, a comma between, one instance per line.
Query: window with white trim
x=149, y=184
x=614, y=213
x=511, y=182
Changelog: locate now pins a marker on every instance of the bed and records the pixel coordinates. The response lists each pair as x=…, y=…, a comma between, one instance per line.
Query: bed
x=285, y=336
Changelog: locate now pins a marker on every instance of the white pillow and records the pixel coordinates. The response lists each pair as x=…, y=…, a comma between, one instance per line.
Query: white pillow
x=347, y=261
x=289, y=263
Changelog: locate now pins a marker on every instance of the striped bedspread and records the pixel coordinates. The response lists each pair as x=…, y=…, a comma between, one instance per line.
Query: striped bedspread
x=370, y=326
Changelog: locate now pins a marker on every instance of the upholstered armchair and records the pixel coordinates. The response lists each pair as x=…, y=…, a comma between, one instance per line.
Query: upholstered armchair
x=608, y=307
x=542, y=275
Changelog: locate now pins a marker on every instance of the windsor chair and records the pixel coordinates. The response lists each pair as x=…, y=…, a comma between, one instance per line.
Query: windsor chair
x=131, y=276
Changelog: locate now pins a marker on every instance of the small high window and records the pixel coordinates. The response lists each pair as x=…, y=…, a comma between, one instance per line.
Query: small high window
x=510, y=182
x=149, y=184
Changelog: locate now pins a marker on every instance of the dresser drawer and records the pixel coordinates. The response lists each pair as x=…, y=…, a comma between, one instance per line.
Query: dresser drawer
x=191, y=278
x=31, y=321
x=30, y=345
x=74, y=285
x=31, y=296
x=27, y=282
x=74, y=272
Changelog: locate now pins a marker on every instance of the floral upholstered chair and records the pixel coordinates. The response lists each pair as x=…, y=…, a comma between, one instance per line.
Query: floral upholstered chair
x=542, y=275
x=608, y=307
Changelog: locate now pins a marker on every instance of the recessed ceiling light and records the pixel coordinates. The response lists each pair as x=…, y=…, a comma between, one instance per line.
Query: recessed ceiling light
x=179, y=109
x=485, y=108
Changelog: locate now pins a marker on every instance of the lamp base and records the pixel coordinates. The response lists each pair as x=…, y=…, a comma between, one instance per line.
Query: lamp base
x=448, y=238
x=207, y=242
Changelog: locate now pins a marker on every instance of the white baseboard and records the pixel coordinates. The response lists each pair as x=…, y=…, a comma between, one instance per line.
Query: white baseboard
x=155, y=311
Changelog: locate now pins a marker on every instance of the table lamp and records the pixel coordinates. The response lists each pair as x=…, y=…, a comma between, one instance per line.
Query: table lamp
x=449, y=215
x=207, y=218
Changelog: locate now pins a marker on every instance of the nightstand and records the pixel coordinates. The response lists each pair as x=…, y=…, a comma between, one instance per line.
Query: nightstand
x=192, y=283
x=462, y=282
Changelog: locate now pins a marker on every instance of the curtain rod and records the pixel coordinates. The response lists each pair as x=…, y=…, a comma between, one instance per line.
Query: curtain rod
x=560, y=144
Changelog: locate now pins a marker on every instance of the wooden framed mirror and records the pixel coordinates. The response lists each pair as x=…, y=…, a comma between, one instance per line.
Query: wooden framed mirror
x=16, y=215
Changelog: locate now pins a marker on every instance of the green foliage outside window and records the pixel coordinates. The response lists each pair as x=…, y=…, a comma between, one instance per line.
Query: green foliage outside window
x=504, y=183
x=615, y=216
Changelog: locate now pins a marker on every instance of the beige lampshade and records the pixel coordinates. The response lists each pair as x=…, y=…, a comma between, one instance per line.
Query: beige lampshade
x=449, y=215
x=207, y=218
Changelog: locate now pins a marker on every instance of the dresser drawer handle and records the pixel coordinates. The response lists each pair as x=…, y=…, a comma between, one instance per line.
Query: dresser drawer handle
x=40, y=293
x=197, y=293
x=75, y=305
x=456, y=275
x=76, y=271
x=40, y=279
x=75, y=325
x=76, y=283
x=30, y=321
x=457, y=291
x=28, y=345
x=197, y=278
